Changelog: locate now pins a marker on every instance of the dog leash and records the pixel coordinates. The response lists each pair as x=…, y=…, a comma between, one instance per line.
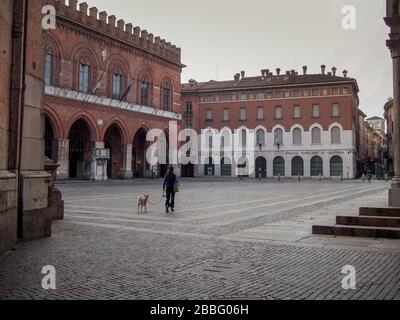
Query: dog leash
x=157, y=203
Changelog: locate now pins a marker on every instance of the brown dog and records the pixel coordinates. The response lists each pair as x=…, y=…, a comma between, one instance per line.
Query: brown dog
x=142, y=203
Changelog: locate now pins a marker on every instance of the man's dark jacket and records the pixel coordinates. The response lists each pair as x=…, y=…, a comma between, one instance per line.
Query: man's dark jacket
x=169, y=181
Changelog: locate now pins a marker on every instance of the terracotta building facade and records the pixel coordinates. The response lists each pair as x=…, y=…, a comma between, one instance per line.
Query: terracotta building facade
x=25, y=187
x=107, y=83
x=299, y=124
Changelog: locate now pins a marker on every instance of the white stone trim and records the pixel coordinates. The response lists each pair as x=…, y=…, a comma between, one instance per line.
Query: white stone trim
x=94, y=99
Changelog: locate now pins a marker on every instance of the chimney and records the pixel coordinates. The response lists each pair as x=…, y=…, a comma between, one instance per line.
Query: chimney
x=264, y=72
x=243, y=74
x=237, y=76
x=323, y=67
x=345, y=73
x=278, y=71
x=334, y=71
x=305, y=70
x=288, y=73
x=93, y=12
x=293, y=72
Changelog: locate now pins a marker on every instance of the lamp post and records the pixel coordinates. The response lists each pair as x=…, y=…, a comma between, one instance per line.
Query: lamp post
x=393, y=21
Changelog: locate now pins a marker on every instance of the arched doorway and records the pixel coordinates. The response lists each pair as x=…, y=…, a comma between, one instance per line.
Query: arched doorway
x=226, y=167
x=261, y=167
x=139, y=153
x=49, y=139
x=80, y=147
x=279, y=167
x=209, y=168
x=187, y=170
x=297, y=166
x=113, y=142
x=317, y=166
x=336, y=166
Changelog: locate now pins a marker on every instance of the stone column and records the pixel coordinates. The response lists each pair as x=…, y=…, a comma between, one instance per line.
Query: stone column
x=126, y=169
x=393, y=21
x=394, y=192
x=62, y=147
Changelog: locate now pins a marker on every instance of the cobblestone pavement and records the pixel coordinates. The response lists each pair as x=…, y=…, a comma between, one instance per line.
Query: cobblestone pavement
x=228, y=239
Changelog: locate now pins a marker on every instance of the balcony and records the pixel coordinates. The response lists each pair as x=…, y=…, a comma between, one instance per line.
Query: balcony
x=112, y=103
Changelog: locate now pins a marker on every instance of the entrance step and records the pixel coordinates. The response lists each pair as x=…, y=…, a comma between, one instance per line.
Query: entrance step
x=358, y=231
x=377, y=212
x=369, y=221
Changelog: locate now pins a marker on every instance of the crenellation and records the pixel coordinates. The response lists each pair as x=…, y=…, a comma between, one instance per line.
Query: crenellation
x=83, y=7
x=157, y=44
x=73, y=4
x=143, y=38
x=93, y=12
x=111, y=20
x=136, y=32
x=129, y=28
x=121, y=24
x=103, y=17
x=162, y=46
x=117, y=28
x=150, y=41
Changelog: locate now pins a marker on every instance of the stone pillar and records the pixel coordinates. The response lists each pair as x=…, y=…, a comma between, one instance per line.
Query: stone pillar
x=8, y=211
x=393, y=21
x=394, y=192
x=126, y=169
x=56, y=203
x=62, y=147
x=99, y=161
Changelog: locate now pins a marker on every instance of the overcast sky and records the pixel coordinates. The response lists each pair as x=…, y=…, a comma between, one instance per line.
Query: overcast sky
x=222, y=37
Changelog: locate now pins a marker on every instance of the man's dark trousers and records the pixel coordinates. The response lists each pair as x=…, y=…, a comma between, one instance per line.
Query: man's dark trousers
x=170, y=202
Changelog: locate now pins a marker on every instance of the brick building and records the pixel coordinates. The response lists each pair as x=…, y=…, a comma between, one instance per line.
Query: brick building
x=107, y=84
x=300, y=124
x=25, y=187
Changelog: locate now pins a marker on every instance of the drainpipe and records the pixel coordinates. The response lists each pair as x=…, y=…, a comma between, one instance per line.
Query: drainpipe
x=17, y=97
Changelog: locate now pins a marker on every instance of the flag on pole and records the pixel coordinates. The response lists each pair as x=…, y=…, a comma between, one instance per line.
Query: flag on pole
x=98, y=84
x=126, y=93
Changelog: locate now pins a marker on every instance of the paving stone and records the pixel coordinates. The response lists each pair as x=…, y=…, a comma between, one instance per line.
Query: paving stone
x=228, y=239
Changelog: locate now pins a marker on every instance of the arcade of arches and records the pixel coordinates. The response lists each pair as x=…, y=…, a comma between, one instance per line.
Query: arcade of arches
x=82, y=157
x=280, y=167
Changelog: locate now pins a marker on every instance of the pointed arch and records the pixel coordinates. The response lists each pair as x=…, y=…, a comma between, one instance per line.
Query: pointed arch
x=84, y=55
x=53, y=55
x=55, y=122
x=122, y=128
x=145, y=86
x=94, y=131
x=117, y=66
x=166, y=93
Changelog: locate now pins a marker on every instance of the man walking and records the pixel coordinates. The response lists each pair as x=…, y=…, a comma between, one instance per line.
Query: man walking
x=170, y=181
